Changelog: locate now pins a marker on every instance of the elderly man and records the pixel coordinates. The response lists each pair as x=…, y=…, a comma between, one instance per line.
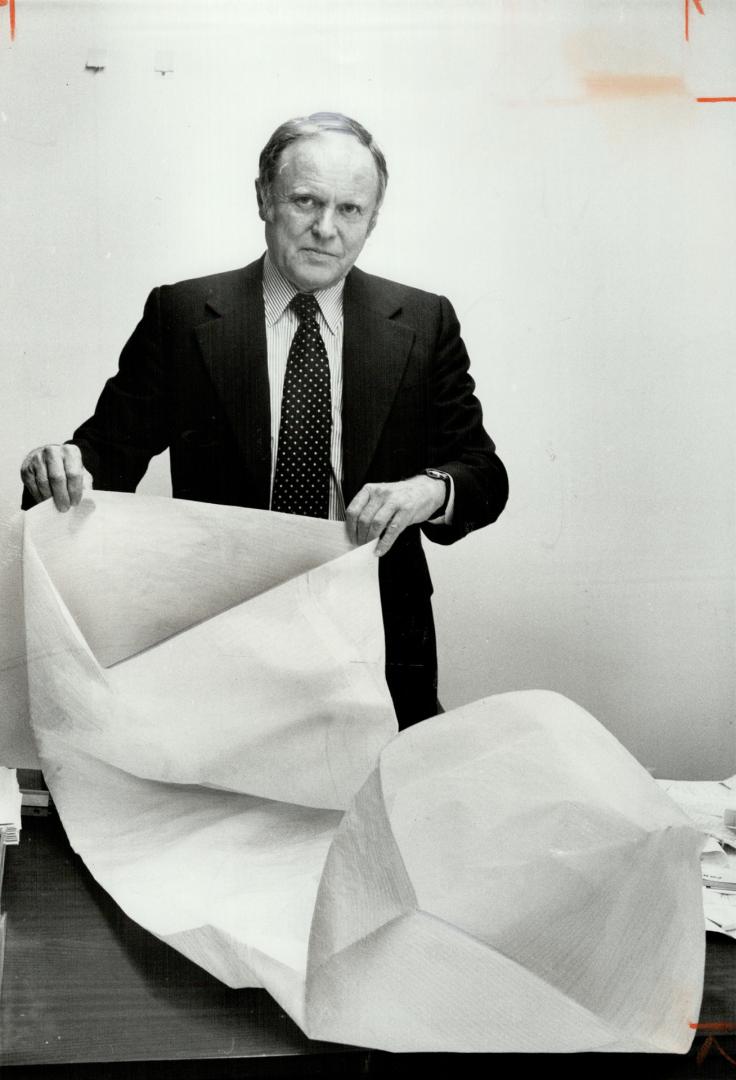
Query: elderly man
x=302, y=384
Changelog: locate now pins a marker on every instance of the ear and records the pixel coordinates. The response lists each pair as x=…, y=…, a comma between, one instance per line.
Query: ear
x=374, y=217
x=263, y=202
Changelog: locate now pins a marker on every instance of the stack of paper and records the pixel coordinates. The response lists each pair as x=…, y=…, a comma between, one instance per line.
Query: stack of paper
x=9, y=834
x=712, y=806
x=10, y=800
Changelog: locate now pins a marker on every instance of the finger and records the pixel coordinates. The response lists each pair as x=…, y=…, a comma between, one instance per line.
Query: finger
x=57, y=479
x=74, y=487
x=42, y=480
x=354, y=511
x=367, y=525
x=28, y=477
x=393, y=530
x=88, y=482
x=380, y=520
x=72, y=460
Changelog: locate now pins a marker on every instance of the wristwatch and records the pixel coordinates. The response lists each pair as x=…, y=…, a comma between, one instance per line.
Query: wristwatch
x=436, y=474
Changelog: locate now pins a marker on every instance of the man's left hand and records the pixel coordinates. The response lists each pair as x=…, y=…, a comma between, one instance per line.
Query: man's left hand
x=385, y=510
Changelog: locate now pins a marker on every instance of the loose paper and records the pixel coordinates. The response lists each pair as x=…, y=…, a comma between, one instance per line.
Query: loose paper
x=710, y=804
x=207, y=698
x=509, y=879
x=9, y=807
x=707, y=803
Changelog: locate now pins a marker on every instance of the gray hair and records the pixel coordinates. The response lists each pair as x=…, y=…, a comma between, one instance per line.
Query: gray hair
x=302, y=127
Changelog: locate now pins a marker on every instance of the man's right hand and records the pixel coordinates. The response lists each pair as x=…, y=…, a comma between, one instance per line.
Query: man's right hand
x=56, y=472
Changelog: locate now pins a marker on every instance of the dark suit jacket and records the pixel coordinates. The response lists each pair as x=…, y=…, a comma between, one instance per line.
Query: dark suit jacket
x=193, y=377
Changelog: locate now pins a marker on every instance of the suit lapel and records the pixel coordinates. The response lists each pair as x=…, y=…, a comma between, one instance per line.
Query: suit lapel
x=233, y=346
x=376, y=348
x=375, y=351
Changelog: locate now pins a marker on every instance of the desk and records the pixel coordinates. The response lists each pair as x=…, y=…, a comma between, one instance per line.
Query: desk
x=84, y=984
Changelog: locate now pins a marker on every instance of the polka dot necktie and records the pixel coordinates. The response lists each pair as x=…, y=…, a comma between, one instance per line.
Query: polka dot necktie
x=302, y=479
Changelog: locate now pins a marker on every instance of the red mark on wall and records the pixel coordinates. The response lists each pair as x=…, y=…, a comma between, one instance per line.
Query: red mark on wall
x=698, y=4
x=10, y=4
x=715, y=1025
x=698, y=7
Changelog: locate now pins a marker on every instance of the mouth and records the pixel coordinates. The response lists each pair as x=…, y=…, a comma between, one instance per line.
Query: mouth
x=319, y=252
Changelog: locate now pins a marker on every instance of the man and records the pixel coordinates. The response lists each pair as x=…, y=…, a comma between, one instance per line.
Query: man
x=302, y=384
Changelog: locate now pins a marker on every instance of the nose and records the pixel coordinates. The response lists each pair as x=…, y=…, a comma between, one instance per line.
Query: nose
x=323, y=225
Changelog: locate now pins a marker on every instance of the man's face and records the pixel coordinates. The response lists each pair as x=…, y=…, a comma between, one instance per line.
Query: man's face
x=321, y=209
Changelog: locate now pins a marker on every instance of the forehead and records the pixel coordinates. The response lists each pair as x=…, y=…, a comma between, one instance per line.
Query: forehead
x=332, y=160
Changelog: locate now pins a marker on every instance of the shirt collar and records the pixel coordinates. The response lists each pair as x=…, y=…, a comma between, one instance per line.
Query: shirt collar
x=278, y=293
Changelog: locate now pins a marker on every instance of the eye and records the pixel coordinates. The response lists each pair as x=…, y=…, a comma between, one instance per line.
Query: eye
x=304, y=202
x=350, y=210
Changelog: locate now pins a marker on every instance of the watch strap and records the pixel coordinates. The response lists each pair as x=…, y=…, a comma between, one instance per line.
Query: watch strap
x=437, y=474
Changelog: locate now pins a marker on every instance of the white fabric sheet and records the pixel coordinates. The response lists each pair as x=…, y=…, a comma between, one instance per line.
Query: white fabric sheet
x=207, y=695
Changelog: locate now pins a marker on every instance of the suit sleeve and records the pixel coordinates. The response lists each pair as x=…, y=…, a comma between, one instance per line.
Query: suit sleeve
x=130, y=424
x=460, y=444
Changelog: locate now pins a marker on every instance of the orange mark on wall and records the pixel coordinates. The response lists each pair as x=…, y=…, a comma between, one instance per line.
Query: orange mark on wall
x=629, y=86
x=11, y=5
x=716, y=99
x=698, y=8
x=714, y=1025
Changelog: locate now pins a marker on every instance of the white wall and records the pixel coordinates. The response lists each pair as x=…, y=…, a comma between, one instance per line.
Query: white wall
x=552, y=173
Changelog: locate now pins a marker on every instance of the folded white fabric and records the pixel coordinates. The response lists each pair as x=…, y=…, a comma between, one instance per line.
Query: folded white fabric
x=207, y=697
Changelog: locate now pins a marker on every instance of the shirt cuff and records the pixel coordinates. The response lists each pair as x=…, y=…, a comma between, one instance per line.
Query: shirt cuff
x=446, y=518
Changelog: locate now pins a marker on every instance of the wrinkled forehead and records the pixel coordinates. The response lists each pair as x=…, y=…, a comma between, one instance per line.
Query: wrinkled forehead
x=333, y=160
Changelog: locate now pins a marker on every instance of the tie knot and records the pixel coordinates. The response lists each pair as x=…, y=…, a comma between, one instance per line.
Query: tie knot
x=305, y=305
